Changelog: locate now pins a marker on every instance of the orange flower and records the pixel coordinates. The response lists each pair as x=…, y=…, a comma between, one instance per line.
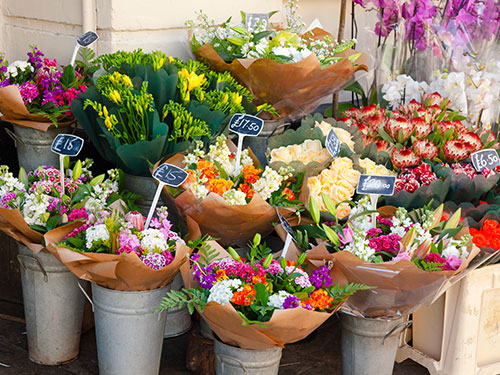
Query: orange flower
x=290, y=263
x=490, y=224
x=289, y=194
x=221, y=275
x=190, y=178
x=319, y=300
x=259, y=279
x=251, y=174
x=480, y=240
x=245, y=188
x=219, y=185
x=245, y=296
x=207, y=169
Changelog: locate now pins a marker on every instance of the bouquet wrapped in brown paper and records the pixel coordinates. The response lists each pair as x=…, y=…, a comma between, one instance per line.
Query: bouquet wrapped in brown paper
x=293, y=89
x=232, y=202
x=35, y=94
x=261, y=302
x=411, y=258
x=117, y=252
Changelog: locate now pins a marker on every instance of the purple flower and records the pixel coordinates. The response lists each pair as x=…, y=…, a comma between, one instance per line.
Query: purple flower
x=7, y=198
x=78, y=213
x=321, y=278
x=126, y=238
x=291, y=302
x=28, y=92
x=154, y=260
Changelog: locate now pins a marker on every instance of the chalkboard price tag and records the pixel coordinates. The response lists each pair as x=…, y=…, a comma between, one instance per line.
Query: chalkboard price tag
x=67, y=145
x=246, y=125
x=286, y=225
x=333, y=143
x=251, y=20
x=485, y=159
x=377, y=185
x=170, y=175
x=87, y=39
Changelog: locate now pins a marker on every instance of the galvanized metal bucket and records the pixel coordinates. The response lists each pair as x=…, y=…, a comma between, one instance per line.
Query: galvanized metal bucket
x=129, y=333
x=205, y=329
x=178, y=319
x=33, y=146
x=145, y=186
x=230, y=360
x=53, y=308
x=369, y=346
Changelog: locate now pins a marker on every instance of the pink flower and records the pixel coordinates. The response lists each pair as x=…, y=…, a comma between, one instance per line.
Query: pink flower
x=452, y=263
x=136, y=219
x=346, y=236
x=402, y=255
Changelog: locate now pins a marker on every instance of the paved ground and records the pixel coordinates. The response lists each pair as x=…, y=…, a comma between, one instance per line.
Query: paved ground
x=318, y=354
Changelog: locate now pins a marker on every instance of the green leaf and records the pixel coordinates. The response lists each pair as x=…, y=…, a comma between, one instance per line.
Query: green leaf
x=261, y=296
x=261, y=35
x=77, y=170
x=53, y=222
x=240, y=30
x=236, y=40
x=331, y=234
x=329, y=204
x=23, y=177
x=97, y=180
x=357, y=89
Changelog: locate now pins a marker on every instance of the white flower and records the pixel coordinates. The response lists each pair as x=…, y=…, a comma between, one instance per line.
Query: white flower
x=96, y=233
x=153, y=240
x=35, y=209
x=360, y=247
x=277, y=300
x=14, y=68
x=268, y=183
x=200, y=191
x=235, y=197
x=222, y=292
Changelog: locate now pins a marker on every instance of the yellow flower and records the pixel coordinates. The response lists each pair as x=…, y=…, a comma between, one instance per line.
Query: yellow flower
x=108, y=123
x=194, y=80
x=105, y=111
x=371, y=167
x=237, y=98
x=115, y=96
x=171, y=59
x=343, y=135
x=127, y=80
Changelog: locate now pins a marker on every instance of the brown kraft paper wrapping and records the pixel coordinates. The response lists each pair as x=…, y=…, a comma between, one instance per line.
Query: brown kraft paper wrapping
x=230, y=224
x=118, y=272
x=14, y=111
x=285, y=326
x=293, y=89
x=401, y=287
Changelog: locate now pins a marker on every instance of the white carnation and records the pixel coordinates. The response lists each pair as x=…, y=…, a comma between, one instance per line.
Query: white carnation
x=222, y=292
x=96, y=233
x=153, y=240
x=277, y=300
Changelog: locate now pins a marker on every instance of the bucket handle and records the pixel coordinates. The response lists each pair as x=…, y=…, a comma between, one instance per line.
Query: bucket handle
x=402, y=325
x=243, y=367
x=14, y=137
x=86, y=295
x=19, y=259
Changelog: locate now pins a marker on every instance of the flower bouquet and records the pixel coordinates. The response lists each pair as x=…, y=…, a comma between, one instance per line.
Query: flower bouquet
x=36, y=203
x=411, y=257
x=115, y=250
x=228, y=201
x=261, y=302
x=148, y=106
x=35, y=94
x=291, y=70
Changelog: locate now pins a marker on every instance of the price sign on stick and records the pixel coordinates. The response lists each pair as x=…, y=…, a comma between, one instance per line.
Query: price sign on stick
x=65, y=145
x=485, y=159
x=166, y=174
x=252, y=19
x=332, y=143
x=84, y=40
x=244, y=125
x=375, y=186
x=289, y=233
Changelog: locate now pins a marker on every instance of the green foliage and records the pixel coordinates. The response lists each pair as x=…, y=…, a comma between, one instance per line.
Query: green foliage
x=428, y=266
x=341, y=293
x=207, y=254
x=190, y=297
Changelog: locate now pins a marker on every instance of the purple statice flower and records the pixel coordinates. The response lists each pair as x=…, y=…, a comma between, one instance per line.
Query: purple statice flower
x=321, y=278
x=78, y=213
x=35, y=57
x=291, y=302
x=7, y=198
x=28, y=92
x=388, y=243
x=154, y=260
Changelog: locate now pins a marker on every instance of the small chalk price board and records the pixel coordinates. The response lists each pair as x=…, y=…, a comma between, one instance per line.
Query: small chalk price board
x=333, y=143
x=87, y=39
x=485, y=159
x=286, y=225
x=246, y=125
x=378, y=185
x=251, y=20
x=170, y=175
x=67, y=145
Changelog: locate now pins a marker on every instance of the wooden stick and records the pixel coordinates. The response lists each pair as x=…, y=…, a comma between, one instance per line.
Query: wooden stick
x=340, y=36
